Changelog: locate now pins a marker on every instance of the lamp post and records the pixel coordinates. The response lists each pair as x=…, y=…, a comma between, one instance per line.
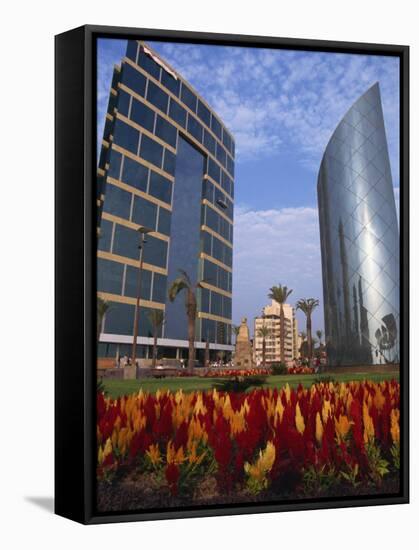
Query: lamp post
x=143, y=231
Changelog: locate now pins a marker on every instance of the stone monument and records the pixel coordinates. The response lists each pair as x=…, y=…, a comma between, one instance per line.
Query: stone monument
x=243, y=357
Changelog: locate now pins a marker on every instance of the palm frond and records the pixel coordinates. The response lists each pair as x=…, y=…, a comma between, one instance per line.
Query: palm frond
x=176, y=286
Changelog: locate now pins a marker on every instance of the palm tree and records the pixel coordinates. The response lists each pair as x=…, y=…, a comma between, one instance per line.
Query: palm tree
x=156, y=317
x=307, y=306
x=263, y=332
x=184, y=283
x=319, y=336
x=236, y=330
x=102, y=307
x=280, y=294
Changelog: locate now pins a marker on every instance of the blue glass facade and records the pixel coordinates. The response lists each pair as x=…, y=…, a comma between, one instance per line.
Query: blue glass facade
x=359, y=239
x=167, y=163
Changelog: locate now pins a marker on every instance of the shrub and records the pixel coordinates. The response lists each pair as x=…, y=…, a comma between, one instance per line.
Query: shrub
x=279, y=368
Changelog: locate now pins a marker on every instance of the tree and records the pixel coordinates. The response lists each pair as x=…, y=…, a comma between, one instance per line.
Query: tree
x=263, y=332
x=319, y=334
x=280, y=294
x=307, y=306
x=236, y=330
x=156, y=317
x=102, y=308
x=184, y=283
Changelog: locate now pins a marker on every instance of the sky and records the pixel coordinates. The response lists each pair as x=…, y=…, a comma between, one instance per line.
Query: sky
x=282, y=107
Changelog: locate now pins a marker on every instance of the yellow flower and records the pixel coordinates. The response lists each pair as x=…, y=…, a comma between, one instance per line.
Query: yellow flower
x=379, y=399
x=193, y=458
x=342, y=426
x=153, y=454
x=299, y=420
x=174, y=457
x=319, y=429
x=395, y=427
x=108, y=448
x=326, y=410
x=263, y=464
x=287, y=390
x=237, y=422
x=368, y=423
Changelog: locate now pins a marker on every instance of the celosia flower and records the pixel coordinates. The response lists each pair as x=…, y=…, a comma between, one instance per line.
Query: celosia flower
x=263, y=464
x=395, y=427
x=153, y=454
x=299, y=420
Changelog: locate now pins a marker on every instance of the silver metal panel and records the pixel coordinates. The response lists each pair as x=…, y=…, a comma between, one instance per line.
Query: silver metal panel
x=359, y=239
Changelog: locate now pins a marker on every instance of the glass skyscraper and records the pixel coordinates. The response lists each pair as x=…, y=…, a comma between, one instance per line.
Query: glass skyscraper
x=359, y=239
x=166, y=163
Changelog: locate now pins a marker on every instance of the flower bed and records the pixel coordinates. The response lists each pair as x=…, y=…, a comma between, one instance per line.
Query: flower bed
x=331, y=437
x=227, y=373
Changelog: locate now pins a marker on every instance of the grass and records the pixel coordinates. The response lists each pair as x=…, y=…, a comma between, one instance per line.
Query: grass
x=115, y=388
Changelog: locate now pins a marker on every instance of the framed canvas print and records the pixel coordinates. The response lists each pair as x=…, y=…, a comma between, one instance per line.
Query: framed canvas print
x=231, y=274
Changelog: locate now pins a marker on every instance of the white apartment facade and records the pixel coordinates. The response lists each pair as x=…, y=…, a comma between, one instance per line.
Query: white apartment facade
x=271, y=319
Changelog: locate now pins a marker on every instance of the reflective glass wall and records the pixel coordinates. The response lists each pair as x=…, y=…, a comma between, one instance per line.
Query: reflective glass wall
x=167, y=164
x=359, y=239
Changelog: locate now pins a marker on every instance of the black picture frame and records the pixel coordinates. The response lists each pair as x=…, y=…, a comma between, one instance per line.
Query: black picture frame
x=75, y=247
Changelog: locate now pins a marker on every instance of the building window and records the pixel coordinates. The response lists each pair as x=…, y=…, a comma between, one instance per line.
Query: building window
x=216, y=127
x=109, y=276
x=221, y=154
x=208, y=330
x=164, y=221
x=169, y=162
x=213, y=170
x=117, y=201
x=126, y=242
x=135, y=174
x=132, y=50
x=142, y=115
x=149, y=64
x=105, y=235
x=177, y=113
x=119, y=318
x=114, y=164
x=159, y=288
x=209, y=142
x=204, y=113
x=151, y=151
x=170, y=82
x=188, y=97
x=216, y=304
x=208, y=190
x=157, y=96
x=144, y=213
x=230, y=165
x=123, y=102
x=155, y=251
x=126, y=136
x=160, y=187
x=131, y=283
x=166, y=131
x=195, y=128
x=206, y=243
x=204, y=296
x=133, y=79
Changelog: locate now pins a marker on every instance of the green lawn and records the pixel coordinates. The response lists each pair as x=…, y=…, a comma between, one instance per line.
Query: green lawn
x=116, y=388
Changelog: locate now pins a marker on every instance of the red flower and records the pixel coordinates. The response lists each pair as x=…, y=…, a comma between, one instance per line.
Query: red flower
x=172, y=474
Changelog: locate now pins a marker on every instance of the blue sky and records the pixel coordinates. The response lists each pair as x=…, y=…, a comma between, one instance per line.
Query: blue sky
x=282, y=107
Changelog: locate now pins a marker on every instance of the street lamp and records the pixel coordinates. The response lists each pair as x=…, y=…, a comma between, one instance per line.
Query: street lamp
x=143, y=231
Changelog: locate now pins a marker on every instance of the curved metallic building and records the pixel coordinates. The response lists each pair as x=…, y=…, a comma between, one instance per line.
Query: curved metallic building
x=359, y=239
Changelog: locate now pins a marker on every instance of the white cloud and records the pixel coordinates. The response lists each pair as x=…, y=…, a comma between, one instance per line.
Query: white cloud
x=272, y=247
x=284, y=98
